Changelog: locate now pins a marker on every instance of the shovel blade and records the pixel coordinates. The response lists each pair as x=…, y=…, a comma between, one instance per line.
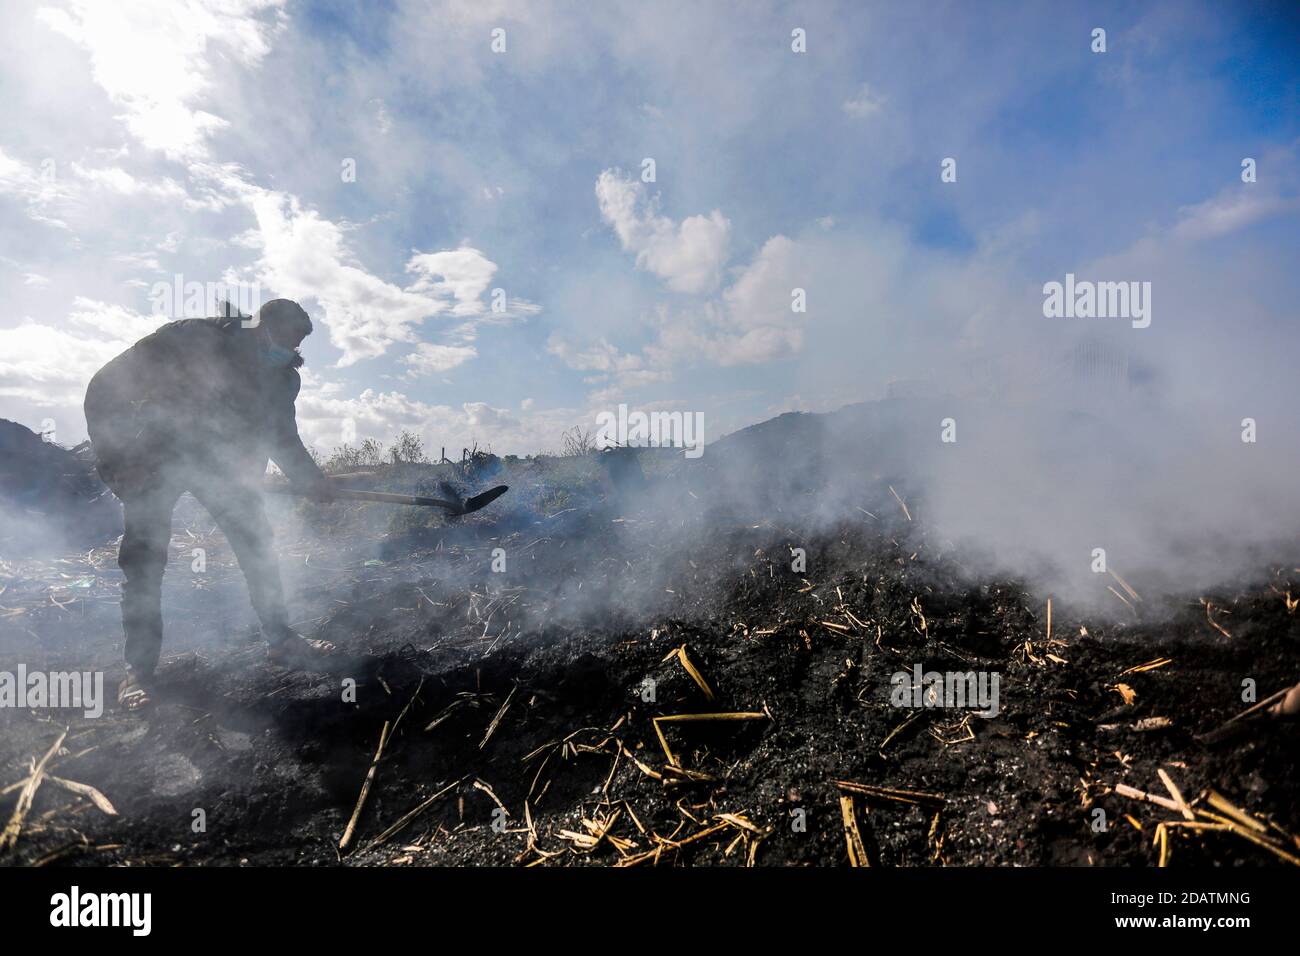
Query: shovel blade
x=484, y=499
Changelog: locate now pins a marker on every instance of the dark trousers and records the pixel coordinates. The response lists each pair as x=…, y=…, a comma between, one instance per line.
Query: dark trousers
x=236, y=506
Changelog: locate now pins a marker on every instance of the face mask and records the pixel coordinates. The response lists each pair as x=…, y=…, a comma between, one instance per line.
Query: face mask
x=277, y=356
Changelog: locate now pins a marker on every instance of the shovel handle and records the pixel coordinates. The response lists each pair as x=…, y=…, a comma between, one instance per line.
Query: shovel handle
x=380, y=496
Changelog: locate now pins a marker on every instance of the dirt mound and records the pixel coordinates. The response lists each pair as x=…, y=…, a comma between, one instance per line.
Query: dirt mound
x=660, y=680
x=50, y=496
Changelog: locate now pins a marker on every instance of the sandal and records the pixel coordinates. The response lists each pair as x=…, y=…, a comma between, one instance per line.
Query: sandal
x=298, y=651
x=132, y=694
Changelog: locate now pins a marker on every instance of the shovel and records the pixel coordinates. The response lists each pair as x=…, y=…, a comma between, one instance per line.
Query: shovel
x=454, y=506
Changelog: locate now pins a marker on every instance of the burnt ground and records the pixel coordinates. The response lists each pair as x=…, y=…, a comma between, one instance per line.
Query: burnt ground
x=521, y=703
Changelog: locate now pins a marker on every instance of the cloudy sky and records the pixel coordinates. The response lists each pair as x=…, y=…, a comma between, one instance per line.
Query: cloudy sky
x=387, y=167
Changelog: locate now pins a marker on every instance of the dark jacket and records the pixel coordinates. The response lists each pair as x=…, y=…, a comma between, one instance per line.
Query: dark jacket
x=195, y=394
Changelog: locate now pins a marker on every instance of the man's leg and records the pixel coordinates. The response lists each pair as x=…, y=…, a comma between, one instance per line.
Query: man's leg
x=142, y=557
x=237, y=509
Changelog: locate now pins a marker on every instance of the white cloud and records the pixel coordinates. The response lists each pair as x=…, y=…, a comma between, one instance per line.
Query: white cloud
x=617, y=371
x=305, y=256
x=1235, y=208
x=382, y=119
x=118, y=180
x=462, y=274
x=430, y=359
x=50, y=366
x=18, y=179
x=47, y=366
x=48, y=194
x=750, y=323
x=41, y=191
x=864, y=103
x=688, y=257
x=151, y=58
x=756, y=322
x=112, y=323
x=139, y=260
x=481, y=413
x=601, y=357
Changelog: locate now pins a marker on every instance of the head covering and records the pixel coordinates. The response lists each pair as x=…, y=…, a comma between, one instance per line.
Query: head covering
x=284, y=320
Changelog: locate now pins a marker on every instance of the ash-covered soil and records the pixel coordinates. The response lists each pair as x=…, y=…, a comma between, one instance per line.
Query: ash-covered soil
x=521, y=704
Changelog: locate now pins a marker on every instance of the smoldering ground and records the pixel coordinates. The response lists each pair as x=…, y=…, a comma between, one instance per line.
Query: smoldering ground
x=530, y=648
x=520, y=702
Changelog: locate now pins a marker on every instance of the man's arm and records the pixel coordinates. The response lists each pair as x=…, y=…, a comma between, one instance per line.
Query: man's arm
x=287, y=449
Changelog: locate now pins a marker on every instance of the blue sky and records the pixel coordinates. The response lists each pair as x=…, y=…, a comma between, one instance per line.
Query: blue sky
x=209, y=142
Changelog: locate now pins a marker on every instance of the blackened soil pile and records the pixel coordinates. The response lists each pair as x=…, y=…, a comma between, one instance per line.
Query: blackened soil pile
x=585, y=678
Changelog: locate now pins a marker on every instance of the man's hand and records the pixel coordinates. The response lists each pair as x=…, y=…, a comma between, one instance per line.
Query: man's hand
x=321, y=489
